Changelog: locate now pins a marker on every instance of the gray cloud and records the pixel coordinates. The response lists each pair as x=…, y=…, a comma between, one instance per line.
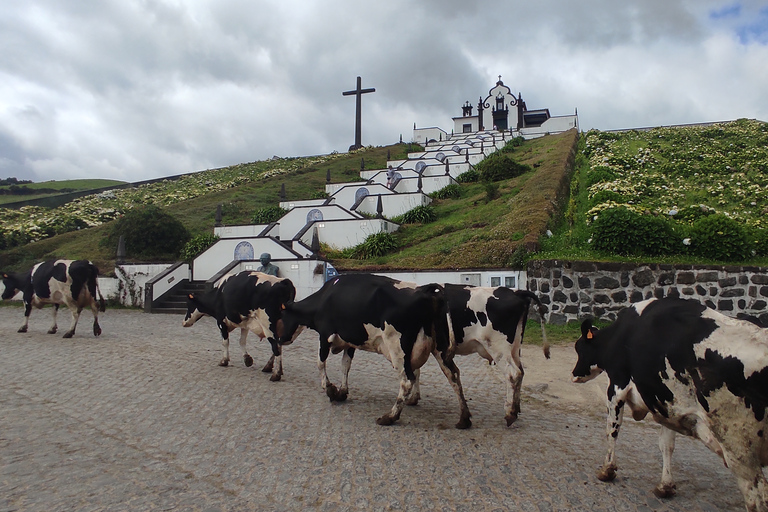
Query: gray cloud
x=134, y=90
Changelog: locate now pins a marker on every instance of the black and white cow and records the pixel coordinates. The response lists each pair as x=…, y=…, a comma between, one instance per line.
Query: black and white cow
x=403, y=322
x=72, y=283
x=698, y=373
x=252, y=301
x=491, y=323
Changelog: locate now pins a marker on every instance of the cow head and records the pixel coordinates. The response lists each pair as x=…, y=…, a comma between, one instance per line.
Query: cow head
x=587, y=350
x=193, y=311
x=289, y=326
x=11, y=285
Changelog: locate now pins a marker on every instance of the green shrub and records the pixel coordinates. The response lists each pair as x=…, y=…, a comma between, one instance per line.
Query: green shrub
x=605, y=196
x=600, y=174
x=268, y=214
x=491, y=191
x=197, y=245
x=452, y=191
x=721, y=238
x=418, y=215
x=693, y=213
x=626, y=232
x=500, y=166
x=375, y=245
x=759, y=241
x=149, y=232
x=471, y=176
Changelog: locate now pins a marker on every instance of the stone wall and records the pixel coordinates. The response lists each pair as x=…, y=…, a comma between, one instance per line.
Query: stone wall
x=574, y=290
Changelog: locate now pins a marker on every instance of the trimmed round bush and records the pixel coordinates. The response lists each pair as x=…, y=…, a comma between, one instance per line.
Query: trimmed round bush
x=720, y=238
x=500, y=166
x=149, y=233
x=626, y=232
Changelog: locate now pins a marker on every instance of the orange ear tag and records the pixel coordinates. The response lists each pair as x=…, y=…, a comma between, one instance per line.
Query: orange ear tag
x=590, y=335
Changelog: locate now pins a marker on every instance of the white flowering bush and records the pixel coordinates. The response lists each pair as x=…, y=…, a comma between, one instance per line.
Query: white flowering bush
x=692, y=178
x=32, y=223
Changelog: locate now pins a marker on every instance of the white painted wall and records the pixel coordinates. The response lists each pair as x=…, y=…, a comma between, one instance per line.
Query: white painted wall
x=222, y=253
x=342, y=234
x=393, y=204
x=295, y=220
x=345, y=196
x=247, y=231
x=484, y=277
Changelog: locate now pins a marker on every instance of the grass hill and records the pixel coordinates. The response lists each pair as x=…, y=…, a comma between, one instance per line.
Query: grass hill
x=26, y=191
x=688, y=194
x=668, y=178
x=471, y=231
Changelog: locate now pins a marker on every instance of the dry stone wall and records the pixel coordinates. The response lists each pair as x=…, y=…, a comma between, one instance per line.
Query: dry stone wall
x=574, y=290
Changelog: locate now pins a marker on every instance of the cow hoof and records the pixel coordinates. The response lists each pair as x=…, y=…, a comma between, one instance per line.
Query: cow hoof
x=22, y=329
x=224, y=362
x=413, y=400
x=248, y=360
x=464, y=423
x=511, y=418
x=385, y=420
x=267, y=367
x=52, y=330
x=275, y=377
x=331, y=392
x=96, y=330
x=607, y=473
x=68, y=334
x=665, y=490
x=341, y=395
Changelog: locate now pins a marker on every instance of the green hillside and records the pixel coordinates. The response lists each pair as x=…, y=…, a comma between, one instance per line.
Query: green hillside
x=691, y=194
x=488, y=232
x=663, y=195
x=26, y=191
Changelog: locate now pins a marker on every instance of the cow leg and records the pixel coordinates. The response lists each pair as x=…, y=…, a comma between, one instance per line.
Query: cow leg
x=225, y=344
x=346, y=364
x=513, y=372
x=27, y=312
x=247, y=359
x=451, y=372
x=270, y=365
x=330, y=390
x=613, y=424
x=277, y=360
x=54, y=327
x=406, y=386
x=75, y=317
x=415, y=396
x=95, y=311
x=749, y=477
x=666, y=488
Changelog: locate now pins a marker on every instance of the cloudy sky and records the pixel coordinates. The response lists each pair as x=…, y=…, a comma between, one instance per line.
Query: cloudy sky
x=138, y=89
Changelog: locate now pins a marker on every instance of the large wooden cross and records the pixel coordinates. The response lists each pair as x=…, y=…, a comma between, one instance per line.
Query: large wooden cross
x=358, y=92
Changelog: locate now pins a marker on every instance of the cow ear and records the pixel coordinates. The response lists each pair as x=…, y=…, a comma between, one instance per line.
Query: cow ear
x=586, y=329
x=5, y=276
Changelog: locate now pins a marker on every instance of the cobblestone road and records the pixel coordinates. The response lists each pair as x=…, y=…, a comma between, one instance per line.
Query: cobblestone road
x=142, y=418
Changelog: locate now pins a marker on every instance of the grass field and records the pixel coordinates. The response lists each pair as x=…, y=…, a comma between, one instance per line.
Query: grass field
x=59, y=186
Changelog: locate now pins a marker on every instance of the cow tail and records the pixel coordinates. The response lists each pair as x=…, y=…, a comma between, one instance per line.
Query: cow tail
x=102, y=302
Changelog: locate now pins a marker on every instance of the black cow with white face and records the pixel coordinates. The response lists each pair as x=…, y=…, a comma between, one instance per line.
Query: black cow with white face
x=697, y=372
x=252, y=301
x=72, y=283
x=403, y=322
